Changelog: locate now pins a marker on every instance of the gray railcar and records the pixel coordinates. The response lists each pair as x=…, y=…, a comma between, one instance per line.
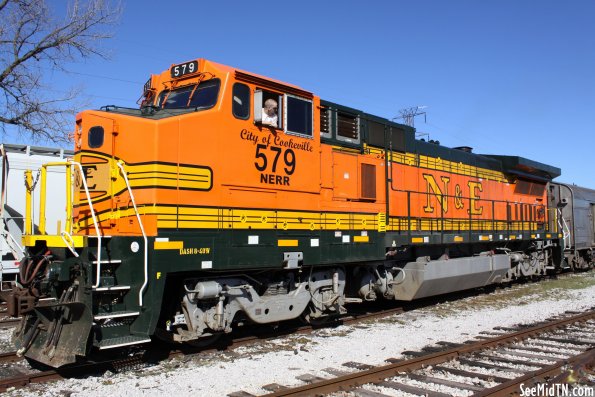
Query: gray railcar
x=576, y=217
x=15, y=160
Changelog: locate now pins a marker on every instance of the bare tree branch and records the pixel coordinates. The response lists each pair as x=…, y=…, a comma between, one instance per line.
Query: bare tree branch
x=32, y=39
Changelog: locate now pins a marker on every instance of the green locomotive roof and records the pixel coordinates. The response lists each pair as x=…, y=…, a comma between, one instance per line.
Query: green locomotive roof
x=403, y=139
x=526, y=168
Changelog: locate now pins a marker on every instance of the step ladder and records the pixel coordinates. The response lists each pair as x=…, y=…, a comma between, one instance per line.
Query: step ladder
x=110, y=319
x=122, y=341
x=116, y=323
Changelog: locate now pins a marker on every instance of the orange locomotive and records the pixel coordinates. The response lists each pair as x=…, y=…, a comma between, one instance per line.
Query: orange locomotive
x=232, y=198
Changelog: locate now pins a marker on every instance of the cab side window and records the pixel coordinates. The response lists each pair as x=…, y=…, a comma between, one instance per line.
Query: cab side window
x=241, y=101
x=298, y=117
x=267, y=108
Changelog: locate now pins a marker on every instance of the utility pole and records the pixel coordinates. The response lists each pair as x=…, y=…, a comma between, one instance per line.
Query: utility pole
x=408, y=115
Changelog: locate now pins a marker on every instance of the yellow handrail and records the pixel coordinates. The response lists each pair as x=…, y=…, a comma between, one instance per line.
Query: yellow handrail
x=42, y=199
x=28, y=202
x=69, y=192
x=42, y=195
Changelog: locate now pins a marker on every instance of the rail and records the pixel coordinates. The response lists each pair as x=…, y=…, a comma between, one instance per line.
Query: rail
x=142, y=229
x=347, y=382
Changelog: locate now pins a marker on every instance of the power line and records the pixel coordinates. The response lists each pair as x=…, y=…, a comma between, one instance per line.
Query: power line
x=103, y=77
x=49, y=89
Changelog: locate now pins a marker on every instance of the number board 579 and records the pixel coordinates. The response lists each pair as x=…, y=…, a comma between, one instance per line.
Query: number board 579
x=182, y=69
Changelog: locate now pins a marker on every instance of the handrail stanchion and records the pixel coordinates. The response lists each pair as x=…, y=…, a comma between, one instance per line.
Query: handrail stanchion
x=142, y=229
x=42, y=201
x=68, y=225
x=84, y=181
x=28, y=203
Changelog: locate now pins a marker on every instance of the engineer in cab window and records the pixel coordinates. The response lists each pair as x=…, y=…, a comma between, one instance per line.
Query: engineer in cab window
x=269, y=113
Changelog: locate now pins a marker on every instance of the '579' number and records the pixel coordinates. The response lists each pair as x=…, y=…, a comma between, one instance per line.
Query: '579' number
x=262, y=161
x=183, y=69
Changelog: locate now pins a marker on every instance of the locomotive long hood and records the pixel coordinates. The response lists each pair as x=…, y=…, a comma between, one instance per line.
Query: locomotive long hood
x=526, y=168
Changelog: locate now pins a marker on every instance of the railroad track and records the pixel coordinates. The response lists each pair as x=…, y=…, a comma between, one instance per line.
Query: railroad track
x=497, y=364
x=228, y=342
x=9, y=322
x=5, y=320
x=20, y=379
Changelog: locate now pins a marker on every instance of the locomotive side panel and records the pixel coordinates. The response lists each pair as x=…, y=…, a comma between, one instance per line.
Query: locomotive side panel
x=453, y=197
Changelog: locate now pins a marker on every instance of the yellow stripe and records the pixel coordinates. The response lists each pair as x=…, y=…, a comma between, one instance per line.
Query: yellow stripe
x=226, y=218
x=484, y=238
x=417, y=239
x=287, y=243
x=198, y=178
x=361, y=239
x=458, y=239
x=53, y=240
x=512, y=237
x=548, y=235
x=168, y=245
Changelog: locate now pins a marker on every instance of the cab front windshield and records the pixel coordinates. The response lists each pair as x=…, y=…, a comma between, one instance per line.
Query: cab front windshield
x=203, y=96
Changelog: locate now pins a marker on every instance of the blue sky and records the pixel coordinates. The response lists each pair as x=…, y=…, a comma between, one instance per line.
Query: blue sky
x=504, y=77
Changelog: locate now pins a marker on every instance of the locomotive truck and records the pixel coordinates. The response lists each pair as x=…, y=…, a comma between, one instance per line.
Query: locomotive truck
x=190, y=216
